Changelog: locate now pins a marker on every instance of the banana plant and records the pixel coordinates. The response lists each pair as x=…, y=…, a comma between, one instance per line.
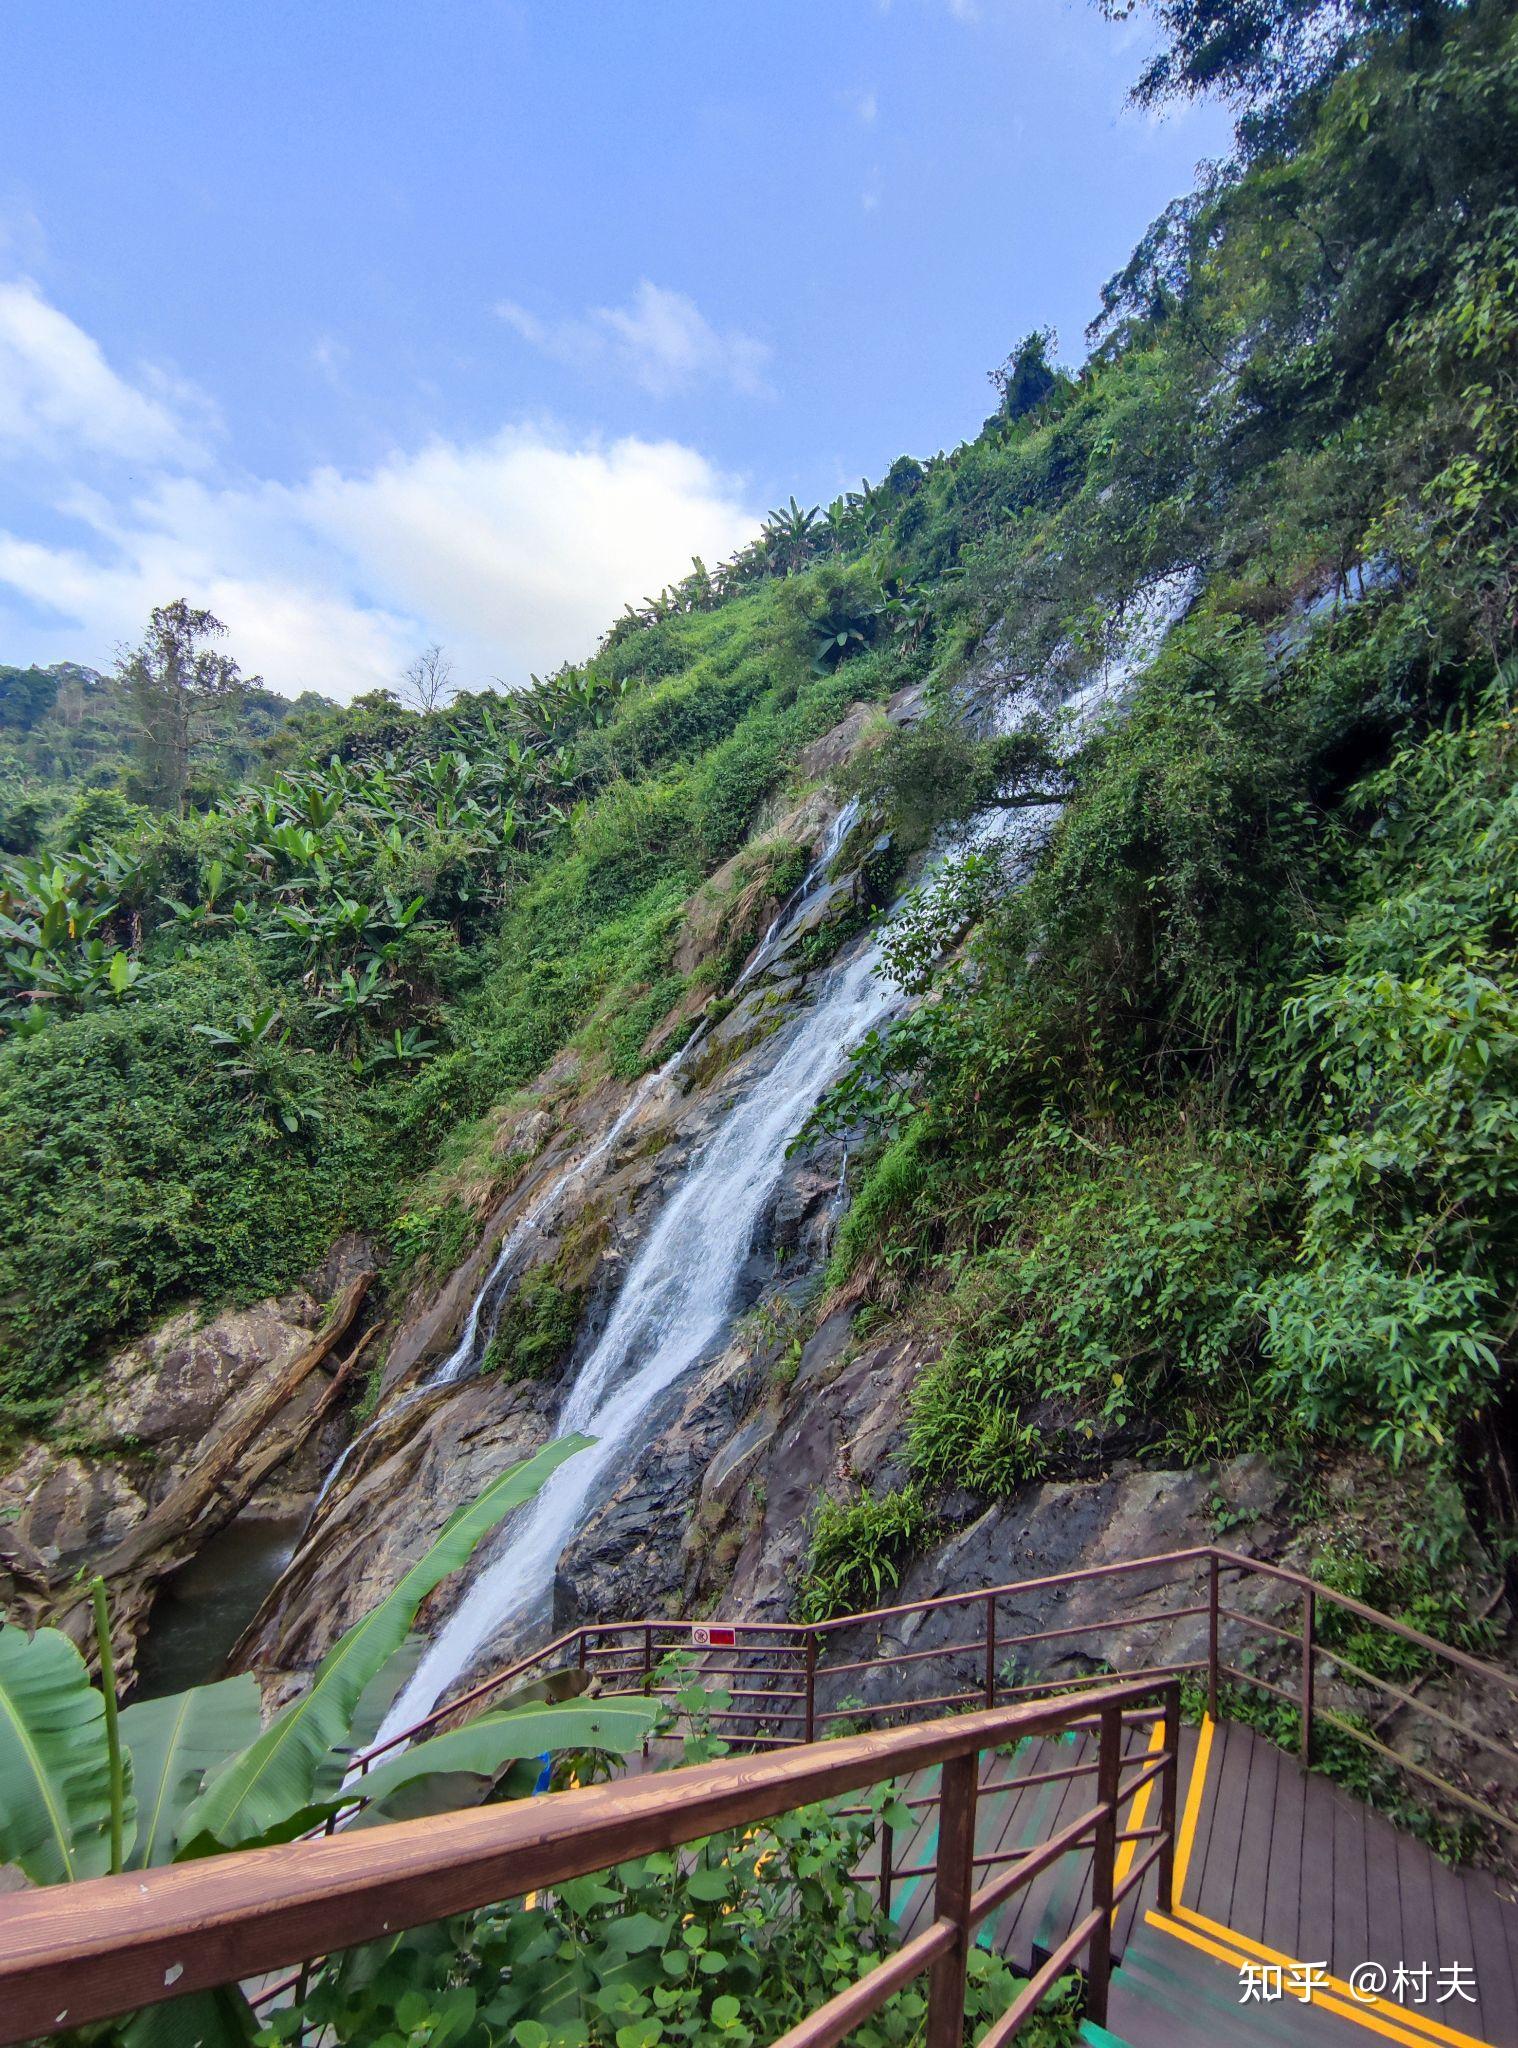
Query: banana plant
x=192, y=1775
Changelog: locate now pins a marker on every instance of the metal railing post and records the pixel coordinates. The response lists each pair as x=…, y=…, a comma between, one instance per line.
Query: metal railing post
x=1212, y=1635
x=990, y=1649
x=1170, y=1780
x=954, y=1880
x=811, y=1685
x=1309, y=1631
x=887, y=1858
x=1109, y=1757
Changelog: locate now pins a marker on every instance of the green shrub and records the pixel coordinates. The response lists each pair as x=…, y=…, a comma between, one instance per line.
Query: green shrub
x=859, y=1548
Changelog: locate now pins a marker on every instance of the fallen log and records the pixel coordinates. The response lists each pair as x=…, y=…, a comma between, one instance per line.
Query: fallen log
x=209, y=1495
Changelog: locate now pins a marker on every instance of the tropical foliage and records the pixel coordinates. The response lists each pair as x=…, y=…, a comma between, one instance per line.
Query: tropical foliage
x=83, y=1792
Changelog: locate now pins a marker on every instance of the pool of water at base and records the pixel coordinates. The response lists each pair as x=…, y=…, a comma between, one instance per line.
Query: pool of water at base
x=208, y=1603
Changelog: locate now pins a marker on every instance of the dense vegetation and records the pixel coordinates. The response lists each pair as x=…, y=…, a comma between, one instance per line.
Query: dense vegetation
x=1214, y=1143
x=1207, y=1138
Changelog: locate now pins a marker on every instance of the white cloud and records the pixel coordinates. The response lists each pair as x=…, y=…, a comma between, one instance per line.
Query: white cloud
x=867, y=107
x=514, y=551
x=661, y=340
x=58, y=394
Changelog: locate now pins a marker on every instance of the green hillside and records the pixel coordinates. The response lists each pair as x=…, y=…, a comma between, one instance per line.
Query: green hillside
x=1215, y=1143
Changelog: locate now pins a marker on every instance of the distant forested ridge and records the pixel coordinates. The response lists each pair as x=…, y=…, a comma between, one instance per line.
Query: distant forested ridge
x=1216, y=1143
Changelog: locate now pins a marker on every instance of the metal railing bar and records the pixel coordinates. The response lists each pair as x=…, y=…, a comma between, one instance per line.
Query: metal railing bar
x=792, y=1637
x=946, y=1699
x=1157, y=1767
x=1046, y=1777
x=1142, y=1834
x=1258, y=1621
x=1265, y=1684
x=1030, y=1862
x=1234, y=1561
x=1087, y=1628
x=1169, y=1561
x=1032, y=1994
x=1137, y=1719
x=1292, y=1699
x=898, y=1657
x=1155, y=1671
x=1405, y=1763
x=1506, y=1750
x=478, y=1692
x=832, y=2022
x=1140, y=1869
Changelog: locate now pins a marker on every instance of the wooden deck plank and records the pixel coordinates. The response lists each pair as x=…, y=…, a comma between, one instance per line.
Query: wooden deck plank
x=1452, y=1936
x=1383, y=1897
x=1006, y=1829
x=1201, y=1842
x=1317, y=1884
x=1247, y=1907
x=1209, y=1885
x=1347, y=1820
x=1289, y=1850
x=1487, y=1914
x=1145, y=1894
x=1066, y=1887
x=1048, y=1810
x=1420, y=1935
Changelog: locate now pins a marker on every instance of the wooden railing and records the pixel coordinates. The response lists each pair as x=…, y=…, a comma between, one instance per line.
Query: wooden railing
x=71, y=1955
x=783, y=1675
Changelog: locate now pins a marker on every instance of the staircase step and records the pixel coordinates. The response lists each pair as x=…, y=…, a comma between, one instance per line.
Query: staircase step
x=1168, y=1994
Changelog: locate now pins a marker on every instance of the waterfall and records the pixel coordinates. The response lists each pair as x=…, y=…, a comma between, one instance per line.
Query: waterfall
x=672, y=1311
x=677, y=1299
x=465, y=1354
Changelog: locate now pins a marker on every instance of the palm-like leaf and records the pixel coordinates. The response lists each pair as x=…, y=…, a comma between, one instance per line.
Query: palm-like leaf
x=481, y=1747
x=55, y=1815
x=175, y=1743
x=275, y=1777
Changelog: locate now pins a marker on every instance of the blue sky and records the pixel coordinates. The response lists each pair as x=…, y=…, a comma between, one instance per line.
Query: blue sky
x=375, y=322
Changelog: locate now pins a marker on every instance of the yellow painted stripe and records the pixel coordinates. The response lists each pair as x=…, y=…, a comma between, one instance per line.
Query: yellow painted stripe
x=1193, y=1808
x=1380, y=2016
x=1362, y=2015
x=1128, y=1850
x=1430, y=2029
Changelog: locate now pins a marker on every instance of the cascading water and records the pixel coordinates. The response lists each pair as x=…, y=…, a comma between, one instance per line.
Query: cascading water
x=465, y=1354
x=677, y=1299
x=672, y=1310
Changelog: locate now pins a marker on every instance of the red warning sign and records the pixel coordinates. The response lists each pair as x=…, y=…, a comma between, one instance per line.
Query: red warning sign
x=711, y=1635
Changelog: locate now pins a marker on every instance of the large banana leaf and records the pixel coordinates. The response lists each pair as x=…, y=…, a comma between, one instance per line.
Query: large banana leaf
x=55, y=1771
x=276, y=1776
x=481, y=1747
x=174, y=1743
x=221, y=2018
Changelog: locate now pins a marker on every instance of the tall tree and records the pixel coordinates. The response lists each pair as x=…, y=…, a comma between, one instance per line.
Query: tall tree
x=1261, y=53
x=429, y=679
x=173, y=675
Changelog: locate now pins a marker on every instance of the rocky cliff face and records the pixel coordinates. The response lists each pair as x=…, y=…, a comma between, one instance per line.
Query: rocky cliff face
x=474, y=1377
x=791, y=1403
x=714, y=1509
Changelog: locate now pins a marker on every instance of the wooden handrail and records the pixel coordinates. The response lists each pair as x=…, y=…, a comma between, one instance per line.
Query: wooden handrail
x=77, y=1953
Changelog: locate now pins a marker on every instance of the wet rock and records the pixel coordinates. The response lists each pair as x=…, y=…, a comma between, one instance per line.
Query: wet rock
x=119, y=1445
x=441, y=1453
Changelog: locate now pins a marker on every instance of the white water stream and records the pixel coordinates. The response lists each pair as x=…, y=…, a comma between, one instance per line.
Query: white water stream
x=672, y=1311
x=676, y=1302
x=465, y=1354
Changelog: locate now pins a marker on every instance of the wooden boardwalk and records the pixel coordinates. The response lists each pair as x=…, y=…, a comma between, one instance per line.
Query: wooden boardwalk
x=1277, y=1870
